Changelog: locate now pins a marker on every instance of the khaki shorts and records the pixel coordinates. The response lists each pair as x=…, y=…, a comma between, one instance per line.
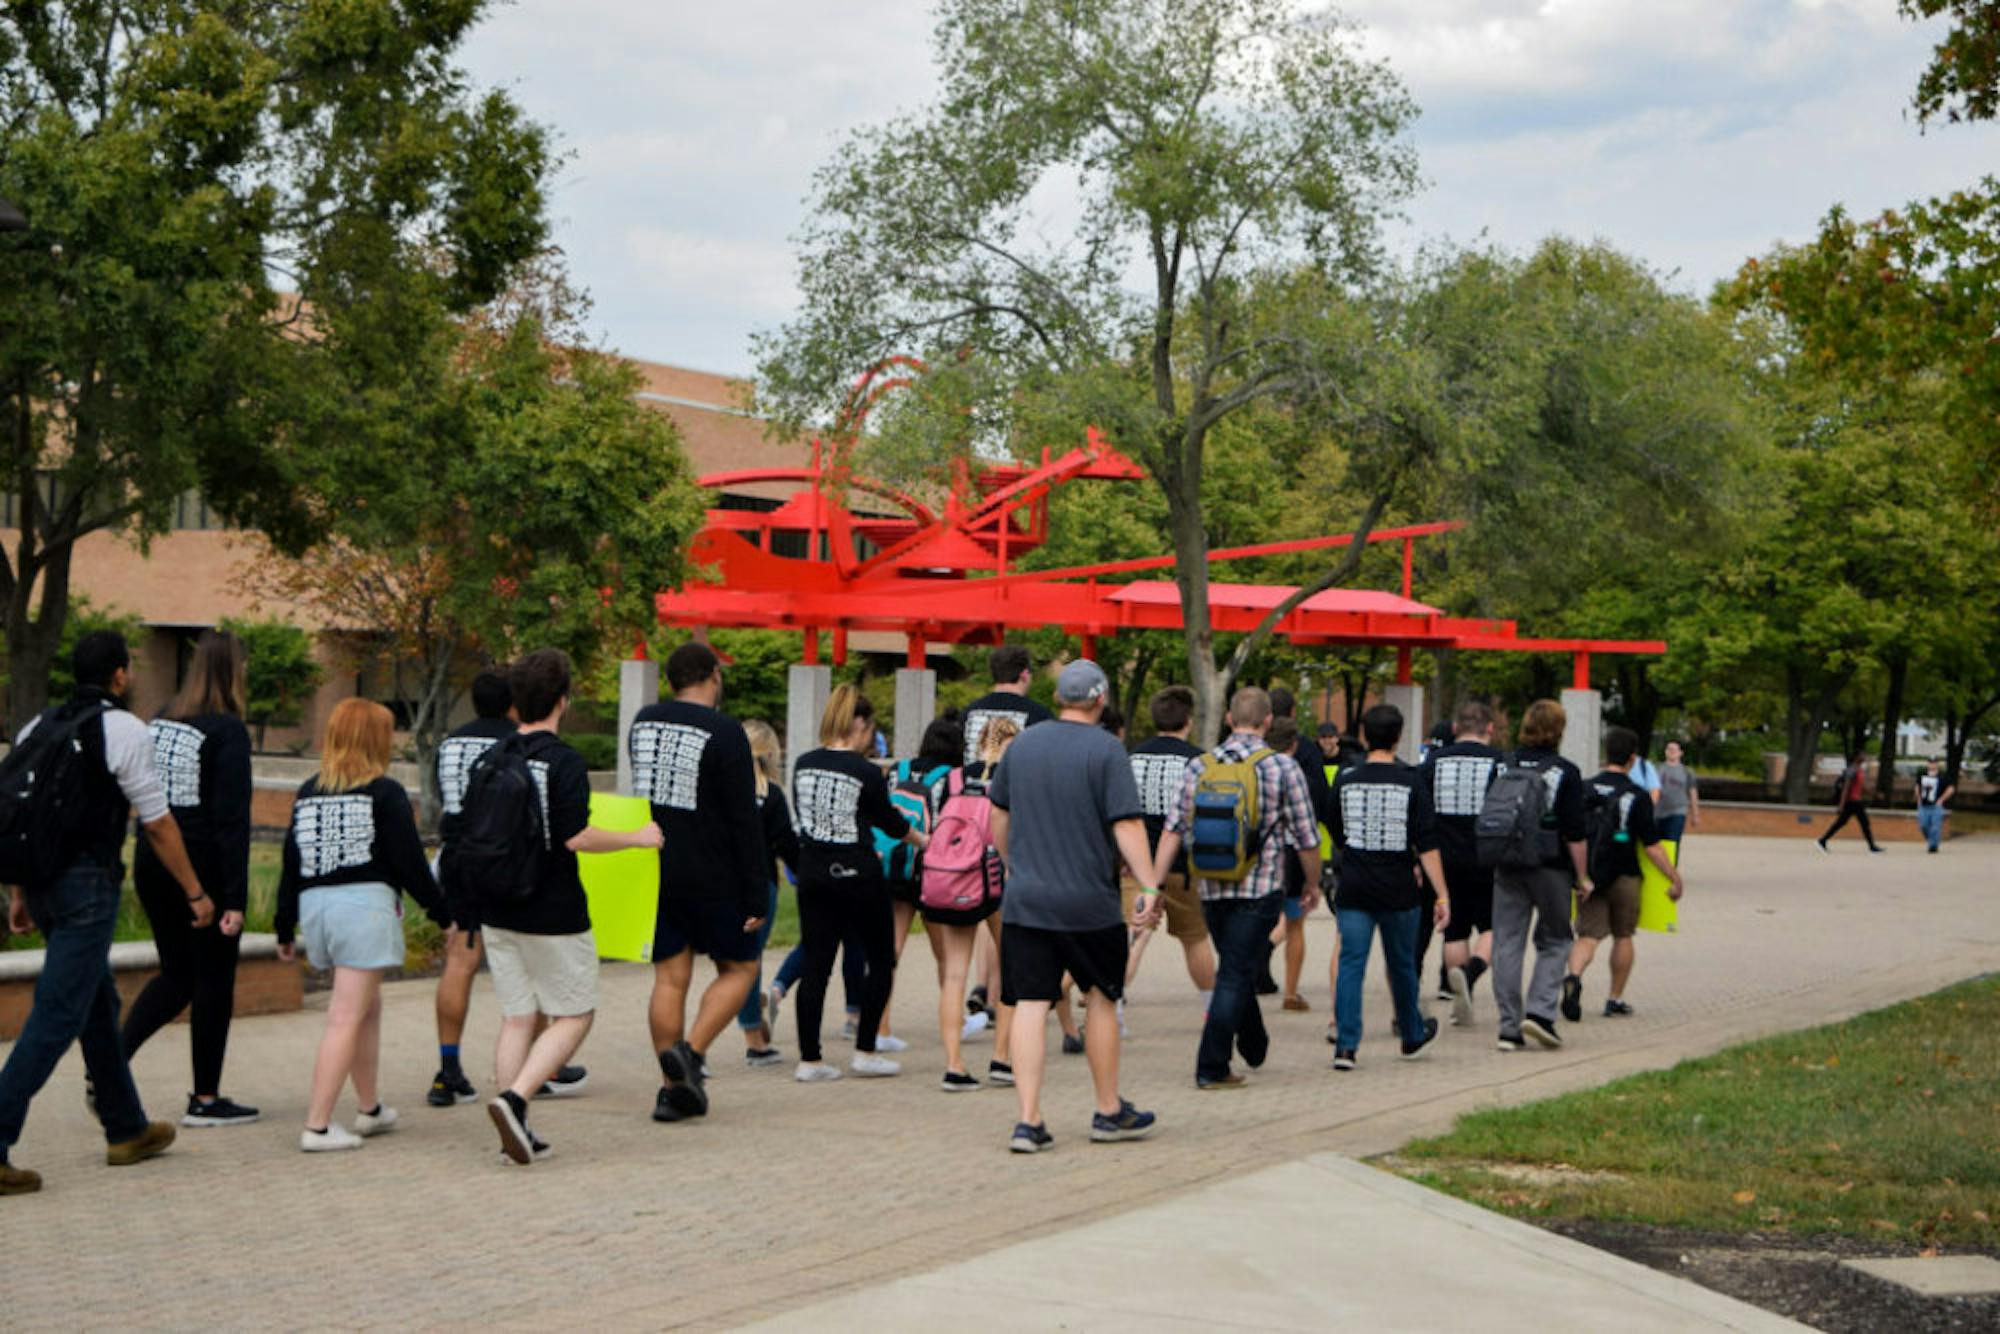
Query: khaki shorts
x=555, y=975
x=1612, y=911
x=1185, y=922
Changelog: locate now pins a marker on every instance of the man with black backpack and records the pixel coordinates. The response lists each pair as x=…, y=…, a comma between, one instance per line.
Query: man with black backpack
x=1530, y=830
x=693, y=763
x=1621, y=822
x=526, y=817
x=1457, y=775
x=1242, y=806
x=75, y=776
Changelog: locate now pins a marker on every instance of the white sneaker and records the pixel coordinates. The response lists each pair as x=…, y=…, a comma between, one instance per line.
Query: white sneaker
x=871, y=1066
x=331, y=1140
x=974, y=1025
x=814, y=1072
x=891, y=1044
x=382, y=1122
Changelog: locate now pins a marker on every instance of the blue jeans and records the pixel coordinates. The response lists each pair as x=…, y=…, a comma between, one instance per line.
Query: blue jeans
x=853, y=970
x=75, y=1001
x=1240, y=928
x=1399, y=943
x=1930, y=819
x=751, y=1016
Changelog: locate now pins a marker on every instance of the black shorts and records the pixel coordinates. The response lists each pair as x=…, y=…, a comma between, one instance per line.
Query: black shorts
x=1471, y=887
x=906, y=891
x=1033, y=961
x=707, y=926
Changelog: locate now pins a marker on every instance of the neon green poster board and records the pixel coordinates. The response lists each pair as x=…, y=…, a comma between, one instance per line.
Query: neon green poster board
x=1657, y=912
x=623, y=887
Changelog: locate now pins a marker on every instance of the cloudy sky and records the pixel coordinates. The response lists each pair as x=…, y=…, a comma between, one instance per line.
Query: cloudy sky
x=1690, y=132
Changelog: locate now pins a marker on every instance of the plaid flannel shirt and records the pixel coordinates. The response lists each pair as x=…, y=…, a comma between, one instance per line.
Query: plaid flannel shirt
x=1284, y=809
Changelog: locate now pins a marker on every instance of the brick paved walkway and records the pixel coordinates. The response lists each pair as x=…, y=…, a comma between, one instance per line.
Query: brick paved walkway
x=789, y=1194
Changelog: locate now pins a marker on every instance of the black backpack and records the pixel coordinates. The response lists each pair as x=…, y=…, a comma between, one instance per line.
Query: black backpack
x=43, y=790
x=1508, y=830
x=1610, y=844
x=496, y=852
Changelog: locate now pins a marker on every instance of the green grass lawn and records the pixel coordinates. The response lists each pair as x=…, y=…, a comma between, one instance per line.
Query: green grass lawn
x=422, y=935
x=1885, y=1126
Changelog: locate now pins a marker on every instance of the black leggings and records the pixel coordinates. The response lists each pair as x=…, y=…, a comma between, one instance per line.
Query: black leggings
x=197, y=968
x=855, y=910
x=1855, y=811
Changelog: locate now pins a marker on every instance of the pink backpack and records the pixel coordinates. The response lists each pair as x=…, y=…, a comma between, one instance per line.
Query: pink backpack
x=961, y=869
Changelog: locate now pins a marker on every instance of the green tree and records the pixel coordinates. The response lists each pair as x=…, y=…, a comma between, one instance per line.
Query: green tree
x=1210, y=141
x=545, y=509
x=84, y=618
x=175, y=159
x=281, y=672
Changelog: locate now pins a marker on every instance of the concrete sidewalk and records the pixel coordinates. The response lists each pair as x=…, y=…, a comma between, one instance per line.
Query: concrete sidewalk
x=1323, y=1243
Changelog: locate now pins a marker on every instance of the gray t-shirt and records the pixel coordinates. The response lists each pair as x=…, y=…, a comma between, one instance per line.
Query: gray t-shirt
x=1063, y=785
x=1675, y=783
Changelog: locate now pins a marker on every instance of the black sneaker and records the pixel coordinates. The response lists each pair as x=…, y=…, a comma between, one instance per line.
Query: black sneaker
x=1572, y=1001
x=1411, y=1050
x=450, y=1088
x=758, y=1057
x=1343, y=1058
x=975, y=1001
x=683, y=1070
x=664, y=1109
x=220, y=1112
x=1615, y=1008
x=1542, y=1031
x=510, y=1118
x=958, y=1081
x=1129, y=1123
x=538, y=1147
x=1030, y=1139
x=1511, y=1042
x=999, y=1072
x=1072, y=1044
x=569, y=1082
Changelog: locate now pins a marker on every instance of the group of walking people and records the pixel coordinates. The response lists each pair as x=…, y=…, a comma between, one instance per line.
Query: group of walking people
x=1029, y=841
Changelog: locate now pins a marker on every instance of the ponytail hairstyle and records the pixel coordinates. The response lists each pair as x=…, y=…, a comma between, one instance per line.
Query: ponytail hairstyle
x=214, y=680
x=994, y=738
x=845, y=707
x=766, y=756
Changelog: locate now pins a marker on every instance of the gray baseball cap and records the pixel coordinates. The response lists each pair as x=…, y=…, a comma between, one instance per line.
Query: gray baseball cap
x=1081, y=682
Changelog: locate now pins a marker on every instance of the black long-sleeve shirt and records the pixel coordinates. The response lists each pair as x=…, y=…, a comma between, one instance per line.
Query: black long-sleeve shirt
x=354, y=838
x=840, y=797
x=204, y=765
x=781, y=840
x=693, y=764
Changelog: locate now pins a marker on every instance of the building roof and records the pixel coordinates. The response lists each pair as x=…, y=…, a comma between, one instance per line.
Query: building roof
x=712, y=414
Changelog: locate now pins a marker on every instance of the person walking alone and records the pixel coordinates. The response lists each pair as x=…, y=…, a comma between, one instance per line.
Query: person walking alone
x=1851, y=791
x=201, y=750
x=76, y=910
x=839, y=796
x=1933, y=797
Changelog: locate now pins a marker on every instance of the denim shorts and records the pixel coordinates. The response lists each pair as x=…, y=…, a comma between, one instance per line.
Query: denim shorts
x=352, y=926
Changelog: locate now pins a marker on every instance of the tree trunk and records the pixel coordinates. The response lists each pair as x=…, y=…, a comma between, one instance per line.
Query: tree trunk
x=1210, y=684
x=1135, y=685
x=1892, y=718
x=32, y=641
x=427, y=728
x=1806, y=712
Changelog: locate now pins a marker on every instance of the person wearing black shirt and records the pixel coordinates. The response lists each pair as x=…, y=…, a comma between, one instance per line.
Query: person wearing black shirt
x=352, y=845
x=1158, y=766
x=202, y=752
x=1537, y=898
x=76, y=910
x=1933, y=794
x=493, y=702
x=693, y=764
x=1385, y=829
x=838, y=796
x=1457, y=775
x=1851, y=792
x=1013, y=670
x=1624, y=812
x=540, y=949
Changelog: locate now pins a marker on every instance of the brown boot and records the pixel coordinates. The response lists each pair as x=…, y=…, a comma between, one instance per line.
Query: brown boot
x=154, y=1141
x=18, y=1180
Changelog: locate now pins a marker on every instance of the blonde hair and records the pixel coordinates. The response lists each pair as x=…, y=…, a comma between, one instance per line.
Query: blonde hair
x=995, y=737
x=1542, y=726
x=354, y=751
x=845, y=707
x=767, y=757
